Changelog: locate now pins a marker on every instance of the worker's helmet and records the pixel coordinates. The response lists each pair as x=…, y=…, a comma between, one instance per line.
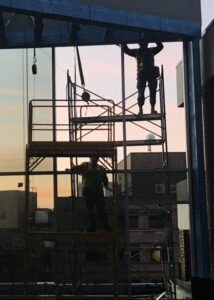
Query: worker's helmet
x=143, y=43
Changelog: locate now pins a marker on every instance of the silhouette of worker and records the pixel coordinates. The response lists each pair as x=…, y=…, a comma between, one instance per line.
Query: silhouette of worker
x=93, y=179
x=146, y=71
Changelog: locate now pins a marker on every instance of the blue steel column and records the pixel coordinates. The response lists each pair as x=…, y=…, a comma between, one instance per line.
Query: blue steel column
x=197, y=192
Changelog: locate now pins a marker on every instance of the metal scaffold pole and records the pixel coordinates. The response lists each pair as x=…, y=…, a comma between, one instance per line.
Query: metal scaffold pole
x=125, y=175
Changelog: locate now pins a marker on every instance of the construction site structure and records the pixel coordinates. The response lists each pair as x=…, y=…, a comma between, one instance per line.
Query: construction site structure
x=83, y=133
x=73, y=22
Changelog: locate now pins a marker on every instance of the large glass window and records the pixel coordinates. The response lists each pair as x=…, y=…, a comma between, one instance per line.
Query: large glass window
x=18, y=85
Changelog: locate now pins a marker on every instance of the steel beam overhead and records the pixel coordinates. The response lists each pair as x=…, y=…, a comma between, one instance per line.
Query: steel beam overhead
x=45, y=23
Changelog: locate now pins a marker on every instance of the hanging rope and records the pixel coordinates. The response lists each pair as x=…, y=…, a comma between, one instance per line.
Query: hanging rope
x=85, y=95
x=80, y=68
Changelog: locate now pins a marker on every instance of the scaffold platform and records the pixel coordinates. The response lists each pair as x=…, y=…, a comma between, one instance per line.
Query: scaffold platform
x=70, y=149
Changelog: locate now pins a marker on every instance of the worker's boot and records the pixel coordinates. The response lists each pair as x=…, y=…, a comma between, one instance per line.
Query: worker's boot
x=140, y=110
x=153, y=111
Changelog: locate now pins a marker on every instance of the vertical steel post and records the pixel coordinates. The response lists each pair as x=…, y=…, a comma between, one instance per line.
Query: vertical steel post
x=171, y=288
x=27, y=190
x=115, y=226
x=54, y=129
x=55, y=192
x=126, y=203
x=26, y=225
x=197, y=192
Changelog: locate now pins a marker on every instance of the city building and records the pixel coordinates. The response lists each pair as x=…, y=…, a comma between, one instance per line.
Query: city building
x=149, y=202
x=152, y=195
x=12, y=209
x=12, y=218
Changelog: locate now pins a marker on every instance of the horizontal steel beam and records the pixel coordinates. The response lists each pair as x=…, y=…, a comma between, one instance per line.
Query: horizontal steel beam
x=53, y=23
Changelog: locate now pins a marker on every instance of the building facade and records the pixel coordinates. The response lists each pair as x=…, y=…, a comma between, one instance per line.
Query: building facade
x=152, y=215
x=207, y=67
x=12, y=216
x=153, y=196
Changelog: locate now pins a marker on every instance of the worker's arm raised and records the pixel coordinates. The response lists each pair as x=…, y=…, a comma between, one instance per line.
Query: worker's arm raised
x=131, y=52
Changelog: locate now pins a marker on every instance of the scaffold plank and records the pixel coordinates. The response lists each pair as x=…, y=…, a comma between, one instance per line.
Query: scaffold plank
x=118, y=118
x=70, y=149
x=139, y=142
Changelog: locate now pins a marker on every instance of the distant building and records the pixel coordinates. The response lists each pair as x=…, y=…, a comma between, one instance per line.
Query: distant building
x=148, y=193
x=12, y=216
x=12, y=209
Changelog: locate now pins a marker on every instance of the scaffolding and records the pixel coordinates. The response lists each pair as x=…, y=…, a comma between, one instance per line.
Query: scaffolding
x=81, y=134
x=36, y=152
x=67, y=28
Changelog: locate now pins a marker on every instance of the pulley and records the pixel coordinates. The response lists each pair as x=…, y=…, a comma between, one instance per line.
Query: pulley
x=34, y=66
x=85, y=96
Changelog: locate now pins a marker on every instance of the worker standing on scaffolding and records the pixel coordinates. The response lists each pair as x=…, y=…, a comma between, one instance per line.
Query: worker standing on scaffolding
x=93, y=179
x=146, y=71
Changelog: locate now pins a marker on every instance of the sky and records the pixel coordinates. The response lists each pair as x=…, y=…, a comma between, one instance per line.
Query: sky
x=207, y=10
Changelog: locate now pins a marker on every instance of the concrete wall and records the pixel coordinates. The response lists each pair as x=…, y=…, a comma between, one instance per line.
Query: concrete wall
x=182, y=9
x=152, y=186
x=8, y=211
x=207, y=50
x=207, y=62
x=153, y=160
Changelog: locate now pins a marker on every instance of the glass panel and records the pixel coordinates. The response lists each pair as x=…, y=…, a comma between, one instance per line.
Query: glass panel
x=42, y=121
x=18, y=85
x=12, y=111
x=43, y=185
